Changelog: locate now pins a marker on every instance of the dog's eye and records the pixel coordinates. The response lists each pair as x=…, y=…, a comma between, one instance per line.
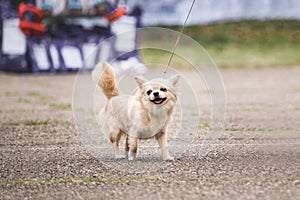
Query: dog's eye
x=163, y=89
x=149, y=92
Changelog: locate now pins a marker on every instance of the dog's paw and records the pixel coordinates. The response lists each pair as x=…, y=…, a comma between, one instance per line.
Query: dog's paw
x=169, y=158
x=131, y=156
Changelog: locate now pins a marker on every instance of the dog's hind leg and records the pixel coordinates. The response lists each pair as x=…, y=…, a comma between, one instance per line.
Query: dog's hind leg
x=115, y=137
x=126, y=146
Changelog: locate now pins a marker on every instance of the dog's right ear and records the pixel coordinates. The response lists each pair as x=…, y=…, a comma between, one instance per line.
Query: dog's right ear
x=140, y=81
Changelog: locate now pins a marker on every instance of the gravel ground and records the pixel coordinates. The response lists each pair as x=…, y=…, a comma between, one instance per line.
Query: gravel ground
x=257, y=157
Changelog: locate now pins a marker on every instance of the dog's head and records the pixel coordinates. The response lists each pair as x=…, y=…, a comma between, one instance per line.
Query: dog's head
x=158, y=92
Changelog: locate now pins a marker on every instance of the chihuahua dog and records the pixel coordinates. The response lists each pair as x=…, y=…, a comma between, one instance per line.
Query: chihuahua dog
x=146, y=114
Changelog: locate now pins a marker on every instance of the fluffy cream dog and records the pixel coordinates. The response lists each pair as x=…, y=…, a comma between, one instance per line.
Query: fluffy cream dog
x=146, y=114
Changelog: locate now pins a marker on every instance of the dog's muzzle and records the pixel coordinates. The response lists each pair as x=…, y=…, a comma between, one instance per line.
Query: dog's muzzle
x=158, y=100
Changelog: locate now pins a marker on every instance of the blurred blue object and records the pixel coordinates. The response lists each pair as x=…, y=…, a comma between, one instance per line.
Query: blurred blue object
x=46, y=6
x=75, y=5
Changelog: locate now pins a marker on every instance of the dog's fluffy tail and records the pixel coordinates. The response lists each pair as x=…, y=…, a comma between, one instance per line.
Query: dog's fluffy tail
x=104, y=75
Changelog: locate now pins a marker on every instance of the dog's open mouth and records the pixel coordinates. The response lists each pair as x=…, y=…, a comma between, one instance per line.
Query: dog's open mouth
x=158, y=100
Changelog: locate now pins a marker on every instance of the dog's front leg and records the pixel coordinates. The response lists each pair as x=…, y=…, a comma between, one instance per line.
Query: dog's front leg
x=162, y=141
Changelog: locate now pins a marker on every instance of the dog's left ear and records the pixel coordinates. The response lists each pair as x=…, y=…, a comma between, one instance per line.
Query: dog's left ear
x=140, y=81
x=174, y=80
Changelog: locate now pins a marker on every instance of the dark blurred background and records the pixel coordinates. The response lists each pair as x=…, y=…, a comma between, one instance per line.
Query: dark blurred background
x=236, y=33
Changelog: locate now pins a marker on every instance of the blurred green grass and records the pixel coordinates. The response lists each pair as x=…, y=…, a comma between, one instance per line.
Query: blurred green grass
x=242, y=44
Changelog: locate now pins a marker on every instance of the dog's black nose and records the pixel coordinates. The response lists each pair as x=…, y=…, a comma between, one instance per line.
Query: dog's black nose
x=155, y=94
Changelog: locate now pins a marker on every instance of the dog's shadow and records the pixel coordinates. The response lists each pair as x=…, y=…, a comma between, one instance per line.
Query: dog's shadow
x=142, y=163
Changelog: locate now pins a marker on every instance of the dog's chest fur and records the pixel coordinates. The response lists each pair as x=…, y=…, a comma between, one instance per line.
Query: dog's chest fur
x=149, y=122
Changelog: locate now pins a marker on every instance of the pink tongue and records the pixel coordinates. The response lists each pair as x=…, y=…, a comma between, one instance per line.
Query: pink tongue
x=158, y=101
